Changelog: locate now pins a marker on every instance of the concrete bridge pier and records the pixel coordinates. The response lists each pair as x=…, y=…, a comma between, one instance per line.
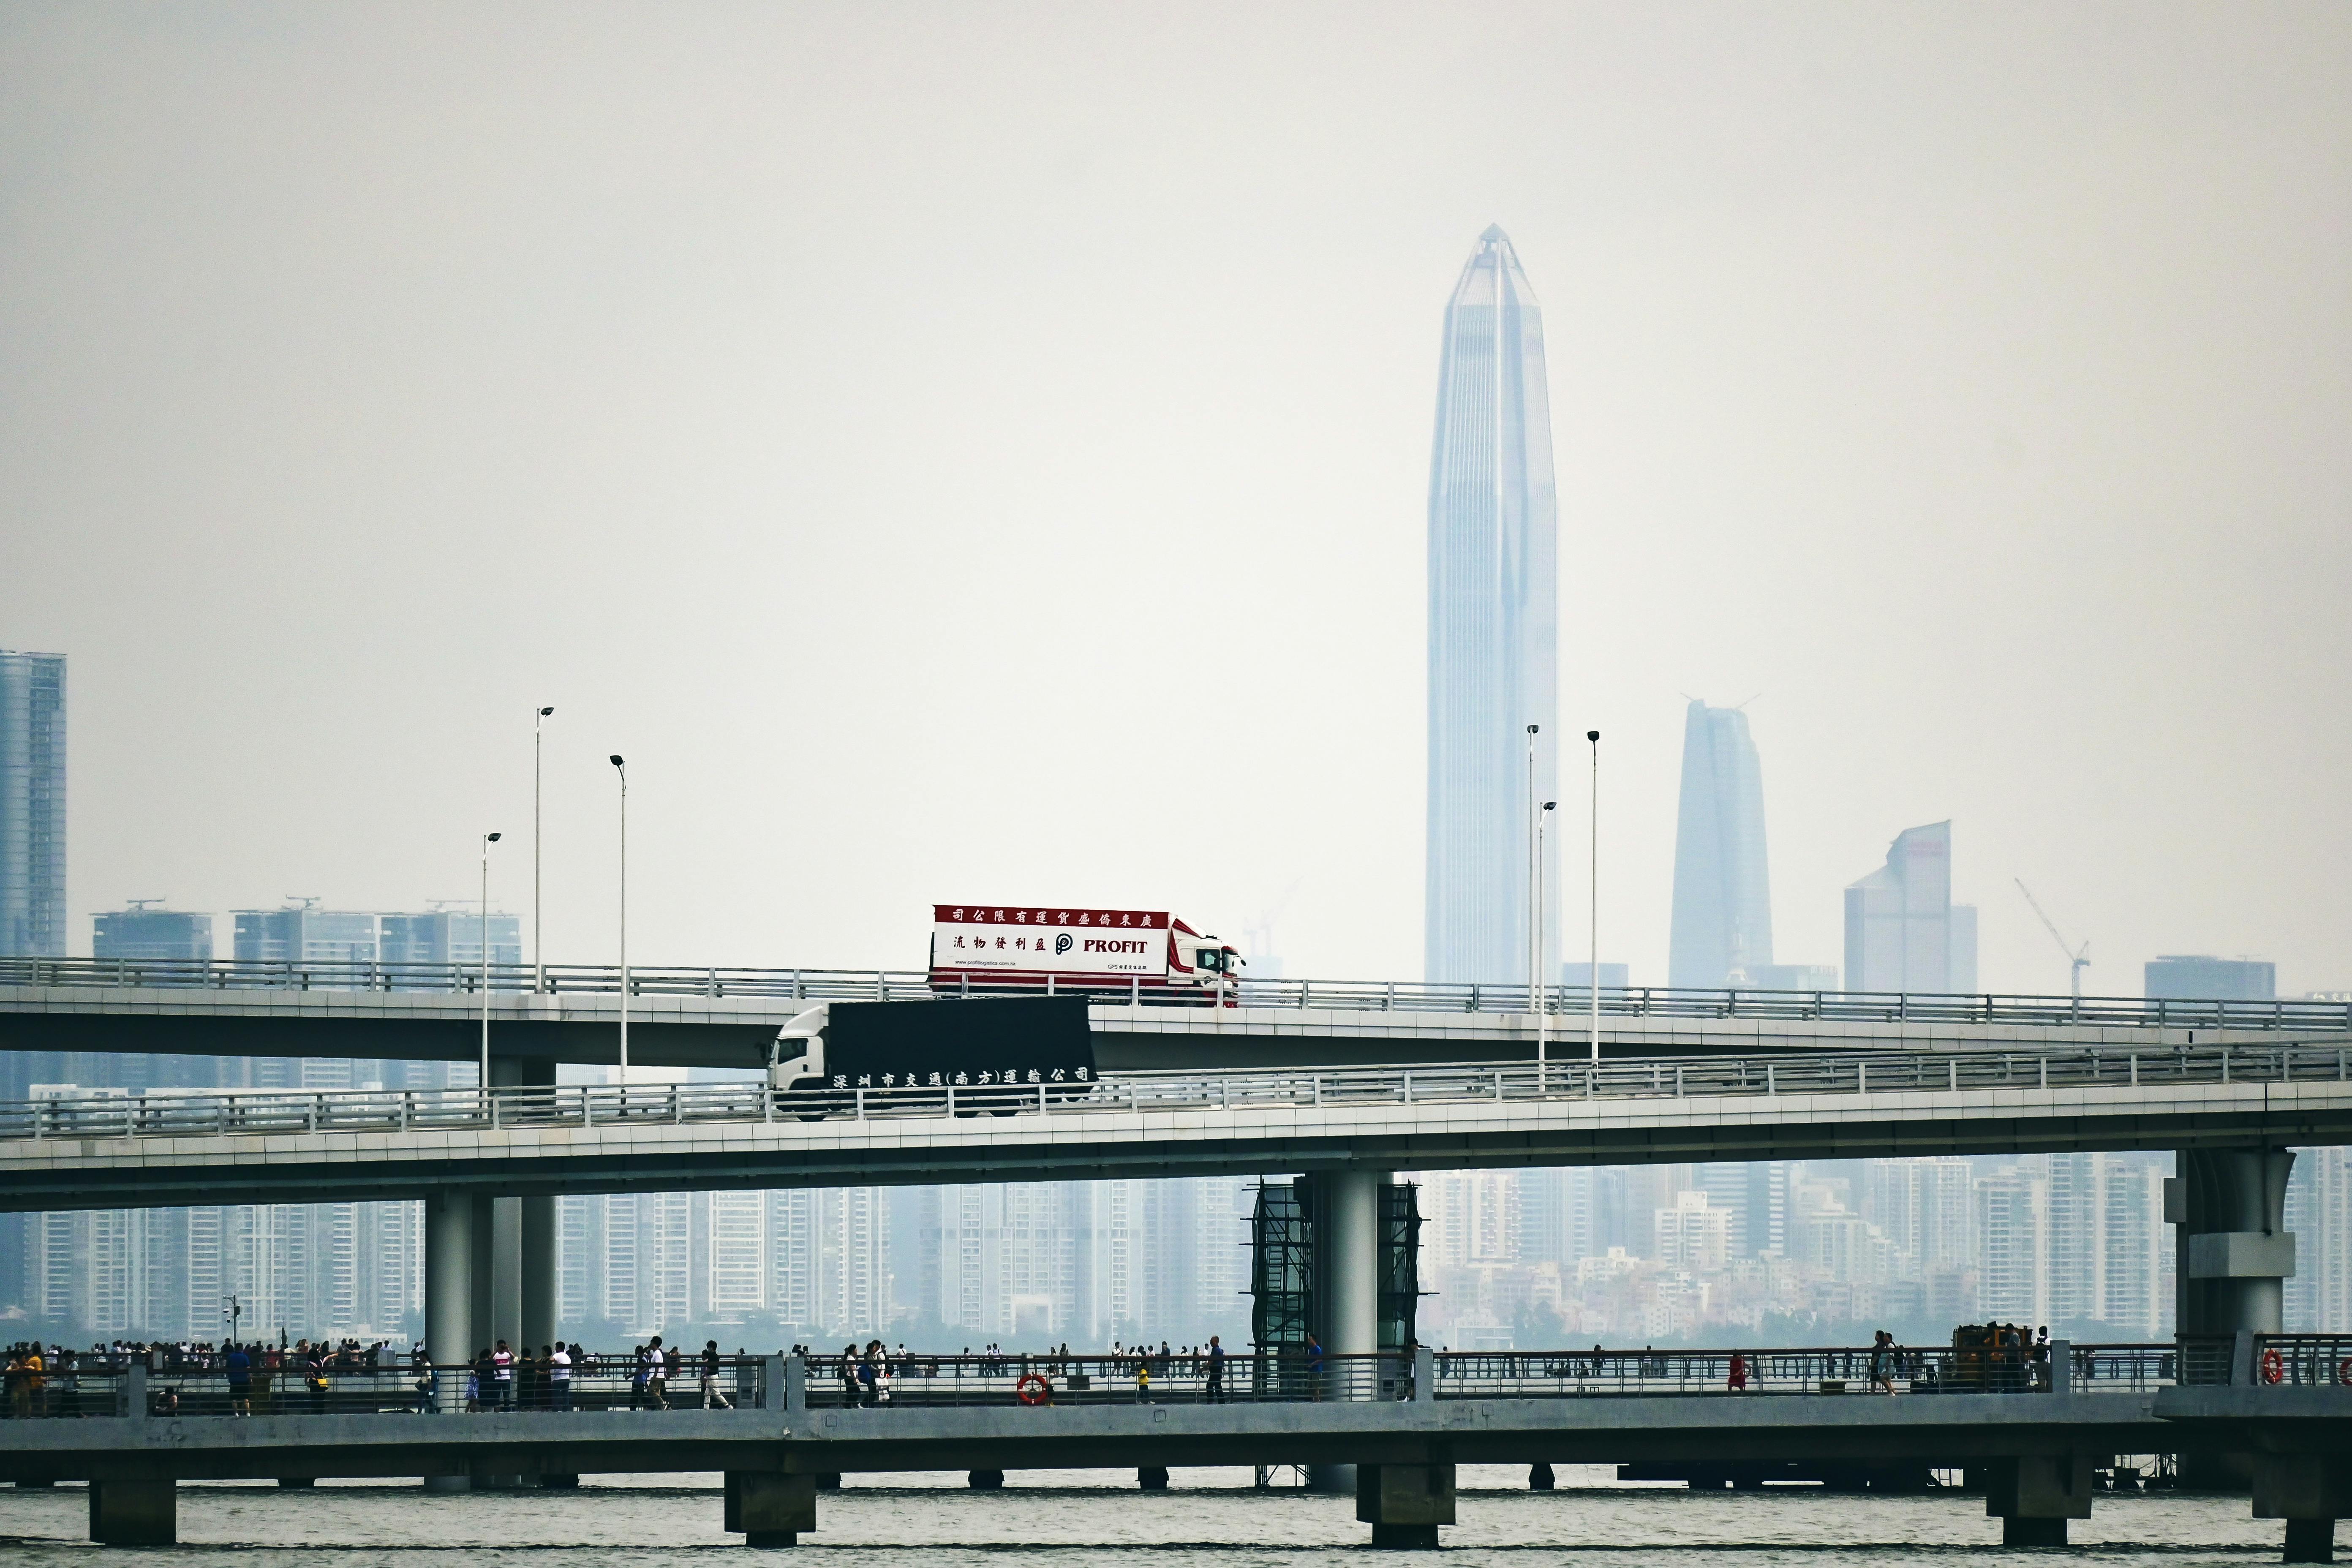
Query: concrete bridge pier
x=2228, y=1207
x=768, y=1508
x=2034, y=1495
x=2310, y=1492
x=134, y=1514
x=448, y=1306
x=1348, y=1236
x=1404, y=1504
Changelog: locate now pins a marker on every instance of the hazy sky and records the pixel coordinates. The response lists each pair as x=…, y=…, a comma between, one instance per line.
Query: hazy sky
x=981, y=453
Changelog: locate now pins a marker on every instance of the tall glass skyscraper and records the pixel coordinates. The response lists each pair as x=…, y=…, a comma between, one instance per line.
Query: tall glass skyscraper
x=32, y=804
x=1722, y=931
x=1493, y=613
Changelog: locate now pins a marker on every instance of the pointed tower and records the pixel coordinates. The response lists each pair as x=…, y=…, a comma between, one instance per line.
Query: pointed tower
x=1493, y=613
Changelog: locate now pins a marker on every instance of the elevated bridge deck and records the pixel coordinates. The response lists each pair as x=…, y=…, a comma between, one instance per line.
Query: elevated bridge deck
x=250, y=1147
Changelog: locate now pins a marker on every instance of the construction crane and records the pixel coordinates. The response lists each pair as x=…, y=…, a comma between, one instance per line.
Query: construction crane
x=2079, y=958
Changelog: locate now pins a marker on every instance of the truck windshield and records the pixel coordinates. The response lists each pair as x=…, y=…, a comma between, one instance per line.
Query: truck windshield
x=1209, y=958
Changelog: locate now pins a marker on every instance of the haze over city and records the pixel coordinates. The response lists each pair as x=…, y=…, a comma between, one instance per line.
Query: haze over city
x=986, y=455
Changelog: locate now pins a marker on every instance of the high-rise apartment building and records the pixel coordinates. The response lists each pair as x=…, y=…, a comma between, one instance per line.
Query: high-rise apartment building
x=1722, y=926
x=2320, y=1212
x=1903, y=933
x=32, y=804
x=140, y=931
x=1494, y=590
x=304, y=933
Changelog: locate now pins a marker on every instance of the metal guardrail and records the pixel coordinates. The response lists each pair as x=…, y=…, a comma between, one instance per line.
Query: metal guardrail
x=1568, y=1003
x=199, y=1112
x=199, y=1386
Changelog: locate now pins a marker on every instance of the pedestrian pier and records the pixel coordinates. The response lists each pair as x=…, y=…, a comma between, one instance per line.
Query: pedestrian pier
x=2028, y=1432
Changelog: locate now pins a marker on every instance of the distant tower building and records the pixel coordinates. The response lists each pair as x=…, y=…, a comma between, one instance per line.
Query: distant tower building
x=1494, y=589
x=1903, y=932
x=142, y=932
x=2211, y=979
x=1723, y=888
x=33, y=805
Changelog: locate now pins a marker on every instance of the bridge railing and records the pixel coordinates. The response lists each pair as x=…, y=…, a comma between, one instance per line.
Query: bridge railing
x=191, y=1112
x=1567, y=1004
x=1824, y=1370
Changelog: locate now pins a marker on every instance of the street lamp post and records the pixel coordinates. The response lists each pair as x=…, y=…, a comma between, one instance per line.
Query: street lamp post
x=538, y=953
x=1543, y=954
x=622, y=768
x=1592, y=957
x=488, y=840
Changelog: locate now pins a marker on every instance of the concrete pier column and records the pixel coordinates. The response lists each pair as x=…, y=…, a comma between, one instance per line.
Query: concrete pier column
x=537, y=1272
x=768, y=1508
x=1347, y=1210
x=2034, y=1495
x=1404, y=1504
x=1151, y=1478
x=986, y=1480
x=2236, y=1253
x=2310, y=1492
x=134, y=1514
x=448, y=1306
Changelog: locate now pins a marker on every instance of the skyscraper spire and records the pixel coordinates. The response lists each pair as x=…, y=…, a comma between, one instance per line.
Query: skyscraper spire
x=1494, y=612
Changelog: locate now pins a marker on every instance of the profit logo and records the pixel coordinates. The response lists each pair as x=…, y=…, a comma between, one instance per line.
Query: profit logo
x=1061, y=942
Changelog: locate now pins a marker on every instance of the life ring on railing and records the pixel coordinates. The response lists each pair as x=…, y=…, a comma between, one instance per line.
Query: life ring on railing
x=2274, y=1366
x=1032, y=1389
x=2344, y=1372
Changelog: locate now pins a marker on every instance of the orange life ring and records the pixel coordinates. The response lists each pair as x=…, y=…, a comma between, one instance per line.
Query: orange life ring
x=1032, y=1389
x=2344, y=1372
x=2274, y=1366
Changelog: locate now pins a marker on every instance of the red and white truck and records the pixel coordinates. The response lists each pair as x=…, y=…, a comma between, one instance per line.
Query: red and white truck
x=1147, y=953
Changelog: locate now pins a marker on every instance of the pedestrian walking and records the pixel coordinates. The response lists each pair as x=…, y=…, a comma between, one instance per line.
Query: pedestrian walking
x=1216, y=1390
x=1737, y=1381
x=710, y=1378
x=656, y=1375
x=1882, y=1362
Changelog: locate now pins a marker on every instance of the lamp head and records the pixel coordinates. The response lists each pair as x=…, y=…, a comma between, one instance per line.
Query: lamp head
x=1533, y=728
x=492, y=837
x=616, y=762
x=1549, y=803
x=1593, y=736
x=545, y=712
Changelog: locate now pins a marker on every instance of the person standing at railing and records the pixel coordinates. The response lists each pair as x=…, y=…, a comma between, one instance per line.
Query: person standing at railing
x=502, y=1377
x=849, y=1383
x=239, y=1365
x=558, y=1376
x=36, y=1380
x=1738, y=1380
x=314, y=1379
x=1314, y=1367
x=1216, y=1388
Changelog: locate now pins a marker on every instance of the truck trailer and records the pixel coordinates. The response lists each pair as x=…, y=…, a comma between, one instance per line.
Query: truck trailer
x=1145, y=955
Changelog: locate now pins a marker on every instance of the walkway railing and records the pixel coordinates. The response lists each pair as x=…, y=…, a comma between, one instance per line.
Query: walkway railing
x=200, y=1385
x=1568, y=1002
x=197, y=1113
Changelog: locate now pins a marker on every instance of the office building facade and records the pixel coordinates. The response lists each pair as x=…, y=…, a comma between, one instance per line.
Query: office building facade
x=140, y=933
x=1722, y=923
x=1903, y=933
x=1494, y=587
x=2196, y=977
x=32, y=804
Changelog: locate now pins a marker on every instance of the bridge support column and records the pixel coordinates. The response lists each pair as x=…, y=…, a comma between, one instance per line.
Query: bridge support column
x=448, y=1306
x=2228, y=1207
x=2311, y=1492
x=1346, y=1209
x=768, y=1508
x=134, y=1514
x=1404, y=1504
x=2034, y=1495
